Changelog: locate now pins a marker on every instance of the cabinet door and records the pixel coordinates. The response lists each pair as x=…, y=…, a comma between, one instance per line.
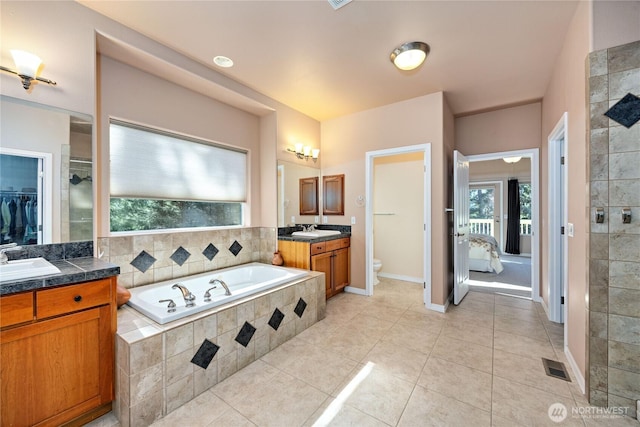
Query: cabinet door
x=333, y=192
x=340, y=269
x=56, y=368
x=309, y=196
x=322, y=263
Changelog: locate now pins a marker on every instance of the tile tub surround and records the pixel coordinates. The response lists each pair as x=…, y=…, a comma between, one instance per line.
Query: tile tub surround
x=161, y=367
x=614, y=255
x=151, y=258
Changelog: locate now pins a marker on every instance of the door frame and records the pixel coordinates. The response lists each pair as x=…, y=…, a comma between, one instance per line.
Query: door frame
x=558, y=271
x=370, y=156
x=534, y=155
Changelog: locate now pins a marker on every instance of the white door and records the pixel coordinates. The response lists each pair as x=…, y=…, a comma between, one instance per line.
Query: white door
x=461, y=227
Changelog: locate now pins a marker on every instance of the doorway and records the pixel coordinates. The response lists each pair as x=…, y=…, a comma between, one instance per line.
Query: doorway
x=424, y=219
x=530, y=235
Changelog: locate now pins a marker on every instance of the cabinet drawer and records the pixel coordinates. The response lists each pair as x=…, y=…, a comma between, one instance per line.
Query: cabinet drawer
x=332, y=245
x=15, y=309
x=72, y=298
x=318, y=248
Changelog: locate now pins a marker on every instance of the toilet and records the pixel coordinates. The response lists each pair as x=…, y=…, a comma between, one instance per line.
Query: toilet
x=377, y=265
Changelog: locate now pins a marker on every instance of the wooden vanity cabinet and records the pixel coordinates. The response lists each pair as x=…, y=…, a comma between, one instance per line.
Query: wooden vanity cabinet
x=332, y=257
x=57, y=364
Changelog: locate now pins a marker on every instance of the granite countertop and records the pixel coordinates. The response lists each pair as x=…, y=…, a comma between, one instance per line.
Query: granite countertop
x=284, y=233
x=72, y=270
x=291, y=238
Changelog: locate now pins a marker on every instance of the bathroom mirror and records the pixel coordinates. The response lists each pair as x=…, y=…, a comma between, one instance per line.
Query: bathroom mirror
x=289, y=176
x=45, y=175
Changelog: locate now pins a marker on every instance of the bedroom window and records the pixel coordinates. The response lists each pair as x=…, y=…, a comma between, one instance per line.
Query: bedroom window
x=481, y=210
x=525, y=208
x=160, y=180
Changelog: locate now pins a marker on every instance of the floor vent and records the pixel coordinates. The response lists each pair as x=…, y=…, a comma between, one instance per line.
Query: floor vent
x=555, y=369
x=337, y=4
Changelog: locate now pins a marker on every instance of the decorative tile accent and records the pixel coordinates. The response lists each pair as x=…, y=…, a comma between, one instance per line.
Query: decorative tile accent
x=180, y=256
x=143, y=261
x=300, y=307
x=276, y=319
x=210, y=251
x=235, y=248
x=245, y=334
x=626, y=111
x=205, y=353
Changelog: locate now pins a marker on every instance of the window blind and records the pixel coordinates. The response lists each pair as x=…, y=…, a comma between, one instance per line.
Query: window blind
x=145, y=163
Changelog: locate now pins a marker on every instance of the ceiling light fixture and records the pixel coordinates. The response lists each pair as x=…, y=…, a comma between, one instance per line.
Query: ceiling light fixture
x=27, y=65
x=223, y=61
x=305, y=152
x=512, y=159
x=410, y=55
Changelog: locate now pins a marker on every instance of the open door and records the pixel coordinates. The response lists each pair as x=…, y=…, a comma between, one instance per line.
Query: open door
x=461, y=226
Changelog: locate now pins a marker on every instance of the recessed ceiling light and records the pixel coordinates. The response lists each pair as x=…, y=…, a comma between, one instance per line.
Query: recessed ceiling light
x=223, y=61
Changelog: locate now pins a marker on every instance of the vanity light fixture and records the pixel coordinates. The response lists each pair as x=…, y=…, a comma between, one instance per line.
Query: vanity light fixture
x=410, y=55
x=27, y=65
x=305, y=152
x=511, y=159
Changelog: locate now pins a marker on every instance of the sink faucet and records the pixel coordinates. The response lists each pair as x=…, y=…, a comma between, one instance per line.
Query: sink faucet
x=7, y=248
x=189, y=298
x=310, y=228
x=224, y=285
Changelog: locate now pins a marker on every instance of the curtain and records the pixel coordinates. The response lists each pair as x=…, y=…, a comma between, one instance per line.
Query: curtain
x=513, y=222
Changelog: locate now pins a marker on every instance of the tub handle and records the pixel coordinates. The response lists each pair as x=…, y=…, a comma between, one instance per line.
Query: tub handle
x=172, y=305
x=207, y=295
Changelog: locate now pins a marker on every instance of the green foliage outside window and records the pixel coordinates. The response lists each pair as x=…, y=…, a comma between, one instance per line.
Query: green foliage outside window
x=150, y=214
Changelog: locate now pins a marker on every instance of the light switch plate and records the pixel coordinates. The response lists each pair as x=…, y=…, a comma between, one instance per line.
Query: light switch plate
x=293, y=219
x=325, y=220
x=570, y=229
x=353, y=220
x=316, y=219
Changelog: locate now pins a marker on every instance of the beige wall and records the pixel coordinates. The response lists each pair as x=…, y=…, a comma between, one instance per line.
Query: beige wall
x=53, y=130
x=70, y=59
x=509, y=129
x=566, y=92
x=615, y=23
x=398, y=201
x=345, y=140
x=129, y=94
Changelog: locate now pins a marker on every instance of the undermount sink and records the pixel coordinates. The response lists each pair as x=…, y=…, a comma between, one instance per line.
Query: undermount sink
x=315, y=233
x=26, y=268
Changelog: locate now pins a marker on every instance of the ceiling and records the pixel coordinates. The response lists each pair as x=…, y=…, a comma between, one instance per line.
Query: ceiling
x=327, y=63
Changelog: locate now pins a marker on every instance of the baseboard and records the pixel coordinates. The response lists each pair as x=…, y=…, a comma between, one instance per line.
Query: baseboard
x=357, y=291
x=574, y=368
x=546, y=309
x=401, y=277
x=439, y=307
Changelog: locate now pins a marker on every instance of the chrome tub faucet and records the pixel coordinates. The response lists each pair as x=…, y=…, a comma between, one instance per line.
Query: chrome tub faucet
x=224, y=285
x=189, y=298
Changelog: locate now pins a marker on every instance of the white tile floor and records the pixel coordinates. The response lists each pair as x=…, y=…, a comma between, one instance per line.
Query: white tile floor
x=386, y=361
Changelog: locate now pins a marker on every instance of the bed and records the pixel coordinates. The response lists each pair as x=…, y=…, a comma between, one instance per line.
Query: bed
x=484, y=254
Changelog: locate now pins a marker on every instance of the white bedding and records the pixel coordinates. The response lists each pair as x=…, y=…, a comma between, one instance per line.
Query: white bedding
x=484, y=254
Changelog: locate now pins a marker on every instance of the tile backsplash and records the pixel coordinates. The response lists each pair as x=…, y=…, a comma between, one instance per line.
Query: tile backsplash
x=151, y=258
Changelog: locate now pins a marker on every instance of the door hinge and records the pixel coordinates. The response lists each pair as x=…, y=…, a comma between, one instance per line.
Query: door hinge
x=561, y=300
x=562, y=230
x=562, y=160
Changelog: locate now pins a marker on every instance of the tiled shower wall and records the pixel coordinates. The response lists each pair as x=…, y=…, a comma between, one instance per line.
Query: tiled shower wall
x=154, y=258
x=614, y=264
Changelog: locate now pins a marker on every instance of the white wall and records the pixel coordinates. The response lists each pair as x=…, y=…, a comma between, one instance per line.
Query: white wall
x=398, y=215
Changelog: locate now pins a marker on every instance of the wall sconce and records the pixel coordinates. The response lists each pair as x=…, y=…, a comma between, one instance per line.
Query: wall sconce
x=305, y=152
x=512, y=159
x=27, y=65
